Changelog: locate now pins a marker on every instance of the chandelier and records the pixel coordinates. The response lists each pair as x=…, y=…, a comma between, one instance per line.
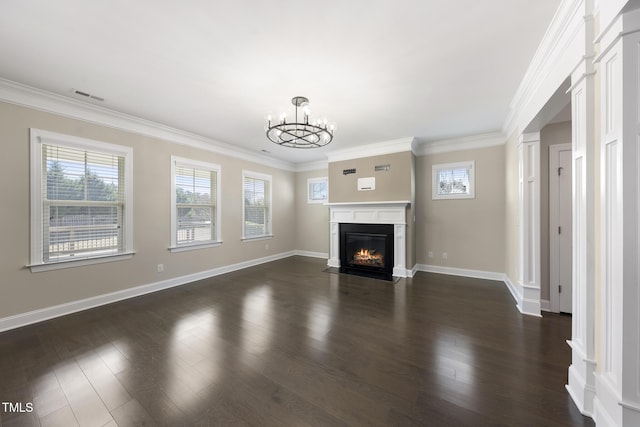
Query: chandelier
x=299, y=134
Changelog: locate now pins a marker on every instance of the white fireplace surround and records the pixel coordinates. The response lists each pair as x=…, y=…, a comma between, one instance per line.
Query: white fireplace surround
x=371, y=213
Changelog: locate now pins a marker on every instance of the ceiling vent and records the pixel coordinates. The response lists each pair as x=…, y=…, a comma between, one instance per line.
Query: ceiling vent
x=88, y=95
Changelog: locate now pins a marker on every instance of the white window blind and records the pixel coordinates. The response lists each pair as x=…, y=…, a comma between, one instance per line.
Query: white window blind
x=80, y=193
x=195, y=204
x=454, y=180
x=318, y=190
x=83, y=202
x=257, y=210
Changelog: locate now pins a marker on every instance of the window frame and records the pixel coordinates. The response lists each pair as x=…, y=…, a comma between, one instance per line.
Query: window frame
x=202, y=166
x=37, y=139
x=269, y=205
x=311, y=181
x=437, y=168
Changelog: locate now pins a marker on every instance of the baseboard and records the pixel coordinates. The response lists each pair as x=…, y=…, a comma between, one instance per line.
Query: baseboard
x=515, y=293
x=476, y=274
x=310, y=254
x=545, y=305
x=28, y=318
x=414, y=270
x=479, y=274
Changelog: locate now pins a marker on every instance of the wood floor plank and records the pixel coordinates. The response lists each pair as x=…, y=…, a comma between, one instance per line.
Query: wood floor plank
x=286, y=343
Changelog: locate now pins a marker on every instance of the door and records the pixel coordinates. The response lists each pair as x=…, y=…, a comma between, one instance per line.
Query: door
x=560, y=220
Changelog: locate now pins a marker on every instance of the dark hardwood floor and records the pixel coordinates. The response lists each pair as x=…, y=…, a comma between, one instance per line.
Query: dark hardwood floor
x=285, y=344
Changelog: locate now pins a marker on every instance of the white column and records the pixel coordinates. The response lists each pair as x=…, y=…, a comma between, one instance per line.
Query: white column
x=617, y=401
x=529, y=274
x=581, y=385
x=334, y=244
x=400, y=251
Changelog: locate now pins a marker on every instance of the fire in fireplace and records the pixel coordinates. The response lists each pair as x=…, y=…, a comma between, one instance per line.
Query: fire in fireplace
x=367, y=250
x=368, y=257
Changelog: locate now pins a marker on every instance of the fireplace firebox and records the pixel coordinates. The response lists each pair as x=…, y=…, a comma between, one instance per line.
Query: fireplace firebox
x=367, y=250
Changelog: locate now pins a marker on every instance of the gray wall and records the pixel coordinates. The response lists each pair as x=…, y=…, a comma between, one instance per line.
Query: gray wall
x=396, y=184
x=312, y=219
x=470, y=231
x=23, y=291
x=391, y=185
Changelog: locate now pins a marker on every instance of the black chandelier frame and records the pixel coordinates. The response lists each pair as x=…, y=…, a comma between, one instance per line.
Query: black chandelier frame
x=299, y=134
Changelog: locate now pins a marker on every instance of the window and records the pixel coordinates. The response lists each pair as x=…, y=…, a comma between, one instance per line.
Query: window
x=454, y=180
x=317, y=190
x=195, y=204
x=81, y=192
x=256, y=208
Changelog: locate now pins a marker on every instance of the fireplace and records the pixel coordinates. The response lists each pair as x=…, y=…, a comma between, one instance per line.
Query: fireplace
x=367, y=250
x=392, y=213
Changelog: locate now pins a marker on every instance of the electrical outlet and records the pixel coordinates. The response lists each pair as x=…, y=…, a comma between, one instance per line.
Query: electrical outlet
x=160, y=268
x=444, y=255
x=430, y=254
x=266, y=246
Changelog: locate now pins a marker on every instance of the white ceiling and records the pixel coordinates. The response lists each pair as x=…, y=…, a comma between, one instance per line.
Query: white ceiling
x=381, y=69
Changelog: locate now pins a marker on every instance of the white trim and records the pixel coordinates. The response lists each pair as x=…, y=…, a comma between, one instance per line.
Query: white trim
x=37, y=138
x=312, y=166
x=27, y=96
x=557, y=54
x=195, y=246
x=196, y=165
x=70, y=263
x=476, y=274
x=472, y=142
x=371, y=213
x=310, y=254
x=581, y=385
x=319, y=179
x=545, y=305
x=252, y=239
x=581, y=380
x=470, y=166
x=268, y=204
x=24, y=319
x=516, y=293
x=529, y=229
x=386, y=203
x=370, y=150
x=463, y=272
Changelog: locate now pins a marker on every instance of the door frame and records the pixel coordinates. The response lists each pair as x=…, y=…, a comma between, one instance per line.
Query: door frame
x=554, y=239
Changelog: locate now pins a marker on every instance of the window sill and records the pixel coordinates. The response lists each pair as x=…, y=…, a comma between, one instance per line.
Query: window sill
x=58, y=265
x=195, y=246
x=263, y=237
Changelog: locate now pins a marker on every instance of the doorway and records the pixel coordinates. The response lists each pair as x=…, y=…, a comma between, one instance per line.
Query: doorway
x=560, y=228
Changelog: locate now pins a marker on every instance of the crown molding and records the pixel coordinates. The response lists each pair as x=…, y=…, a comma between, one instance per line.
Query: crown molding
x=370, y=150
x=563, y=28
x=312, y=166
x=472, y=142
x=30, y=97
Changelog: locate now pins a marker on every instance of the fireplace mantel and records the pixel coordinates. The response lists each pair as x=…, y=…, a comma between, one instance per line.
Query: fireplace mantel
x=387, y=212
